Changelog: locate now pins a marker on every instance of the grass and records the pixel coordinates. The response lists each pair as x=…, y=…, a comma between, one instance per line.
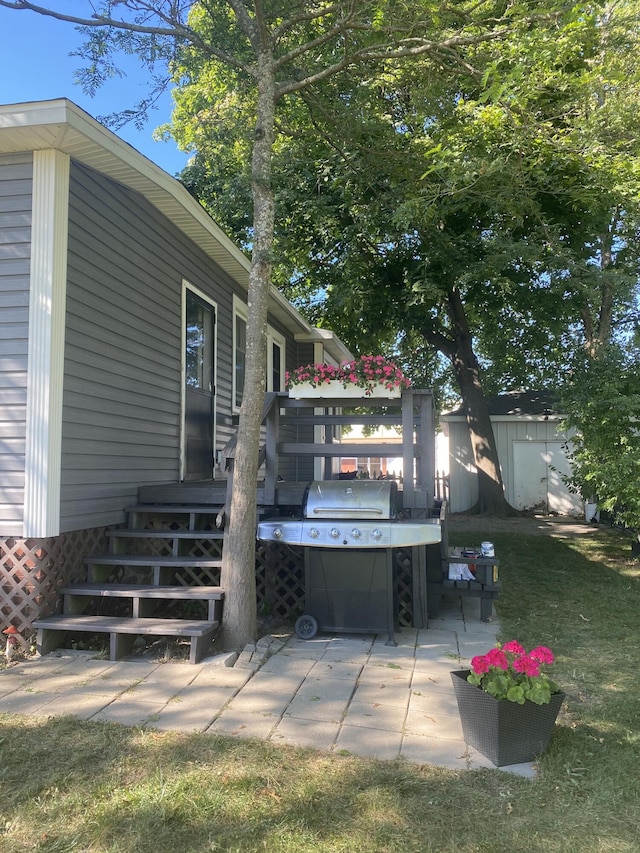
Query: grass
x=67, y=785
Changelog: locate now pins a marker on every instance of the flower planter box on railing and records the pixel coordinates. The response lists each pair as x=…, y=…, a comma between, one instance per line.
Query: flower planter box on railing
x=335, y=388
x=364, y=377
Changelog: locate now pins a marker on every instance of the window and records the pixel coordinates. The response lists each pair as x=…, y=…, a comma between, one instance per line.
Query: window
x=275, y=361
x=275, y=355
x=239, y=358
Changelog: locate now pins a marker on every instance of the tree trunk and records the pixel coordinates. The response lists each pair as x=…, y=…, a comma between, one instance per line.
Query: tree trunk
x=459, y=350
x=238, y=577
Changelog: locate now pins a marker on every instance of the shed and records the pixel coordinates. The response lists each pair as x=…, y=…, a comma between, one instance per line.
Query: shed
x=532, y=449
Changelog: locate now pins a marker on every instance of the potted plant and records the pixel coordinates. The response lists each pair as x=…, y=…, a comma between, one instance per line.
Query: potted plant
x=366, y=376
x=508, y=704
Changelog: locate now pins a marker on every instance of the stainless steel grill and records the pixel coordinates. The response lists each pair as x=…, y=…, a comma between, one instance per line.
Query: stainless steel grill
x=348, y=529
x=350, y=514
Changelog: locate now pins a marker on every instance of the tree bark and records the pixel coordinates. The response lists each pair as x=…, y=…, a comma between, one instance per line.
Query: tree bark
x=238, y=561
x=458, y=348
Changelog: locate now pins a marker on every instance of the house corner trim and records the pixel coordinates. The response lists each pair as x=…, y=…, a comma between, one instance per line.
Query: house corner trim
x=47, y=305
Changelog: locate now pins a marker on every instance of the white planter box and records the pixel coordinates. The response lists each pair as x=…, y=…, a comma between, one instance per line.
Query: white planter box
x=335, y=388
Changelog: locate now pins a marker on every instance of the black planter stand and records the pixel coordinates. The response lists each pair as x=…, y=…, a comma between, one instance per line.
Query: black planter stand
x=504, y=732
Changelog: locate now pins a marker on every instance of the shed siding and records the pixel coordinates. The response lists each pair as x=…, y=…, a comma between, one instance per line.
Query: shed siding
x=463, y=483
x=507, y=432
x=15, y=255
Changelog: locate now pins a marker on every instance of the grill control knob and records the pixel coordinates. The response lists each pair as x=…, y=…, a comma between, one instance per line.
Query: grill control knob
x=376, y=534
x=314, y=533
x=277, y=533
x=356, y=534
x=334, y=533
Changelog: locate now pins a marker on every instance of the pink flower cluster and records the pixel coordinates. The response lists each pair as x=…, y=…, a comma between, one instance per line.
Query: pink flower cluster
x=510, y=673
x=364, y=372
x=512, y=654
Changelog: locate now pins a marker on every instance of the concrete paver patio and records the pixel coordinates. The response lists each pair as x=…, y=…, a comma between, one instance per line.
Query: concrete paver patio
x=346, y=693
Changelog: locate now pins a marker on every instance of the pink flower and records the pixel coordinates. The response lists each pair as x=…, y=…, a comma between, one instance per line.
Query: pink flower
x=527, y=665
x=497, y=658
x=479, y=664
x=542, y=654
x=365, y=372
x=514, y=647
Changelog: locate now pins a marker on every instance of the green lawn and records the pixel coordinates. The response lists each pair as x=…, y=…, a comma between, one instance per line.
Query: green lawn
x=73, y=786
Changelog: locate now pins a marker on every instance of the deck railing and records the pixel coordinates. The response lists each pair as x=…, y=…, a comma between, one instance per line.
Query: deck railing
x=414, y=412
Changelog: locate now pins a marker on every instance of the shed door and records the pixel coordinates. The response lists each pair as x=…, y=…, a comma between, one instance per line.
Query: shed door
x=538, y=484
x=199, y=388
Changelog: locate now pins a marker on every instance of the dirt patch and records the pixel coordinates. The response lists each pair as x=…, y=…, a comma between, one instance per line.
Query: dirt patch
x=562, y=527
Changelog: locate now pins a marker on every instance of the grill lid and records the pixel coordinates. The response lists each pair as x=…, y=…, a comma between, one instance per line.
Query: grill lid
x=350, y=499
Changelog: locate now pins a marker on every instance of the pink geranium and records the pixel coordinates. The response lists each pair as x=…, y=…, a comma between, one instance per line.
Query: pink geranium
x=543, y=654
x=365, y=372
x=497, y=658
x=509, y=672
x=526, y=664
x=480, y=664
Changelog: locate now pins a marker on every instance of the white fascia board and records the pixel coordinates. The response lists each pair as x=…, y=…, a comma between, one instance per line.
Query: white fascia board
x=327, y=343
x=47, y=305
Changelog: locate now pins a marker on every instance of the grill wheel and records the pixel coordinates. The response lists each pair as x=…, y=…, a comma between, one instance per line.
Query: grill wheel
x=306, y=627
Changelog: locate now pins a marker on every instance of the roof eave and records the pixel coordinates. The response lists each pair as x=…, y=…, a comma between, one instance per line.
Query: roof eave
x=62, y=125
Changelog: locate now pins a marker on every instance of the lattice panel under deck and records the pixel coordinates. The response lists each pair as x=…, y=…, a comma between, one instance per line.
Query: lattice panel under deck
x=404, y=581
x=33, y=570
x=280, y=579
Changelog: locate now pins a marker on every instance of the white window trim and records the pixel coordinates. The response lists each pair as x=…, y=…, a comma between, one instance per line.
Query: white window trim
x=240, y=309
x=47, y=319
x=274, y=337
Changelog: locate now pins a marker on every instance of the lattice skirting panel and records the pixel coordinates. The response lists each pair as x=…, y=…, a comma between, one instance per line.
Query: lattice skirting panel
x=33, y=570
x=280, y=582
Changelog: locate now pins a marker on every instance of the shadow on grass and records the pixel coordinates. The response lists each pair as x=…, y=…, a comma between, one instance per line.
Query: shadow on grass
x=72, y=785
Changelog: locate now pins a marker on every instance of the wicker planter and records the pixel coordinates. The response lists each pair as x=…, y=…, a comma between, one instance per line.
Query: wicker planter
x=504, y=732
x=335, y=389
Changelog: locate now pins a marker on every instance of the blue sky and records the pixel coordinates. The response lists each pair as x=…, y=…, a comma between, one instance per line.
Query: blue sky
x=35, y=66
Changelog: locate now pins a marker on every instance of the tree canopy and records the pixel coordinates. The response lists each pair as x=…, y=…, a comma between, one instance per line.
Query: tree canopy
x=603, y=406
x=483, y=206
x=260, y=54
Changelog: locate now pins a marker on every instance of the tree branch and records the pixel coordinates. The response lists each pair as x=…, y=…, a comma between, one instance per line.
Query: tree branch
x=176, y=30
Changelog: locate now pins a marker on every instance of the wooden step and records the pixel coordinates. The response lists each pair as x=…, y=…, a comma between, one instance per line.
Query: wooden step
x=122, y=632
x=76, y=597
x=156, y=533
x=176, y=509
x=150, y=560
x=193, y=511
x=161, y=566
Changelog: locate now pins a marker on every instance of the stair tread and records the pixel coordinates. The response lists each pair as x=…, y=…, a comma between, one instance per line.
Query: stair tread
x=154, y=533
x=123, y=590
x=150, y=560
x=127, y=625
x=208, y=509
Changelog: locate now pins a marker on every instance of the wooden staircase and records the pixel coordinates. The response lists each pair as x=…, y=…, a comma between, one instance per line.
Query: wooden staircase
x=168, y=556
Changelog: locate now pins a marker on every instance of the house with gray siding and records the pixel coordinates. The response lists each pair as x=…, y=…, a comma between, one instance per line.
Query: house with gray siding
x=122, y=315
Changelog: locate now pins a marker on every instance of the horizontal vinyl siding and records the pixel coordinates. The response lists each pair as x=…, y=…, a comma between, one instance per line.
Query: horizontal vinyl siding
x=122, y=393
x=15, y=254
